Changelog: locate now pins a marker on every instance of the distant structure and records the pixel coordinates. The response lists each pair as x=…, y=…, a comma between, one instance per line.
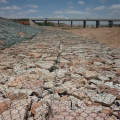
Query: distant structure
x=110, y=21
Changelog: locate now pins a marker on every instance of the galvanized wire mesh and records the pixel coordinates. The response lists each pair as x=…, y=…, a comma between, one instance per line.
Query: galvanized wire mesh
x=59, y=76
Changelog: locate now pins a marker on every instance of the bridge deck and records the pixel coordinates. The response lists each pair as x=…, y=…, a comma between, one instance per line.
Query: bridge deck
x=75, y=19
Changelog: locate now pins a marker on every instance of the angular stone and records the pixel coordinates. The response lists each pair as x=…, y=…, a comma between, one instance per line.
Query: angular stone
x=61, y=73
x=45, y=93
x=91, y=86
x=44, y=64
x=46, y=75
x=16, y=94
x=48, y=85
x=109, y=84
x=40, y=93
x=76, y=76
x=104, y=99
x=98, y=63
x=65, y=98
x=62, y=60
x=50, y=59
x=80, y=94
x=103, y=78
x=80, y=70
x=107, y=89
x=67, y=86
x=60, y=90
x=97, y=82
x=91, y=93
x=91, y=74
x=51, y=97
x=117, y=86
x=40, y=110
x=87, y=102
x=107, y=111
x=4, y=105
x=18, y=80
x=80, y=81
x=35, y=55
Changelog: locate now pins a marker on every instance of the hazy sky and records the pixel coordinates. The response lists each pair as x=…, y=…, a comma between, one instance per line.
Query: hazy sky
x=60, y=8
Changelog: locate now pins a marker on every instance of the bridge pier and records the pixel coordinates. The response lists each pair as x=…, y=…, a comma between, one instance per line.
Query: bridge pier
x=97, y=24
x=110, y=23
x=58, y=23
x=71, y=24
x=45, y=23
x=84, y=24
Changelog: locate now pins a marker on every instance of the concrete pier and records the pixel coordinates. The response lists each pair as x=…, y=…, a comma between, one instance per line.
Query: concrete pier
x=84, y=24
x=58, y=23
x=45, y=22
x=97, y=24
x=71, y=24
x=110, y=23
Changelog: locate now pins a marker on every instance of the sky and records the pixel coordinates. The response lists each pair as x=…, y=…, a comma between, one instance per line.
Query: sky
x=60, y=9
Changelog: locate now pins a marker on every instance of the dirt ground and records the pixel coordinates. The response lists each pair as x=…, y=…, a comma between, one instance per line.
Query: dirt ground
x=109, y=36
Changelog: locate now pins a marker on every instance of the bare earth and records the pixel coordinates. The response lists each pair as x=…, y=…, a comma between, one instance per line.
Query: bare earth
x=109, y=36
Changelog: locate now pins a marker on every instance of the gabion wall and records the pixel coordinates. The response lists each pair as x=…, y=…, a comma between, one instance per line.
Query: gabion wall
x=56, y=75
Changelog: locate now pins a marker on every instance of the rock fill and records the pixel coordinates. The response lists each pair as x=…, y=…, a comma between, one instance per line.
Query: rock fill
x=40, y=80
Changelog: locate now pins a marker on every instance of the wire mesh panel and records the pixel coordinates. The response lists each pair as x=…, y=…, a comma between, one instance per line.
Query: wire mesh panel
x=58, y=75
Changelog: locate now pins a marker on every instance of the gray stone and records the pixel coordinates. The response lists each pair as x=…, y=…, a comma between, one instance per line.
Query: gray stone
x=97, y=82
x=51, y=97
x=58, y=90
x=46, y=75
x=76, y=76
x=80, y=70
x=91, y=74
x=62, y=60
x=45, y=64
x=117, y=86
x=109, y=84
x=61, y=73
x=98, y=63
x=104, y=99
x=80, y=94
x=103, y=78
x=69, y=87
x=48, y=85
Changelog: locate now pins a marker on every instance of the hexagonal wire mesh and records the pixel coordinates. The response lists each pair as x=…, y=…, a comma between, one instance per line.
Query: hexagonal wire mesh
x=59, y=76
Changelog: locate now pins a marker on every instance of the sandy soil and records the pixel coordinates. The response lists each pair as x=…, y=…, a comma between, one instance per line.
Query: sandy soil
x=109, y=36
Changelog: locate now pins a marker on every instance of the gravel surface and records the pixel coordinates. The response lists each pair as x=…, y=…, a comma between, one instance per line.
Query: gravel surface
x=10, y=33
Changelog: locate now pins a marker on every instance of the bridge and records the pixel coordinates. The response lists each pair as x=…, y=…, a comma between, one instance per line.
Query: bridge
x=110, y=21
